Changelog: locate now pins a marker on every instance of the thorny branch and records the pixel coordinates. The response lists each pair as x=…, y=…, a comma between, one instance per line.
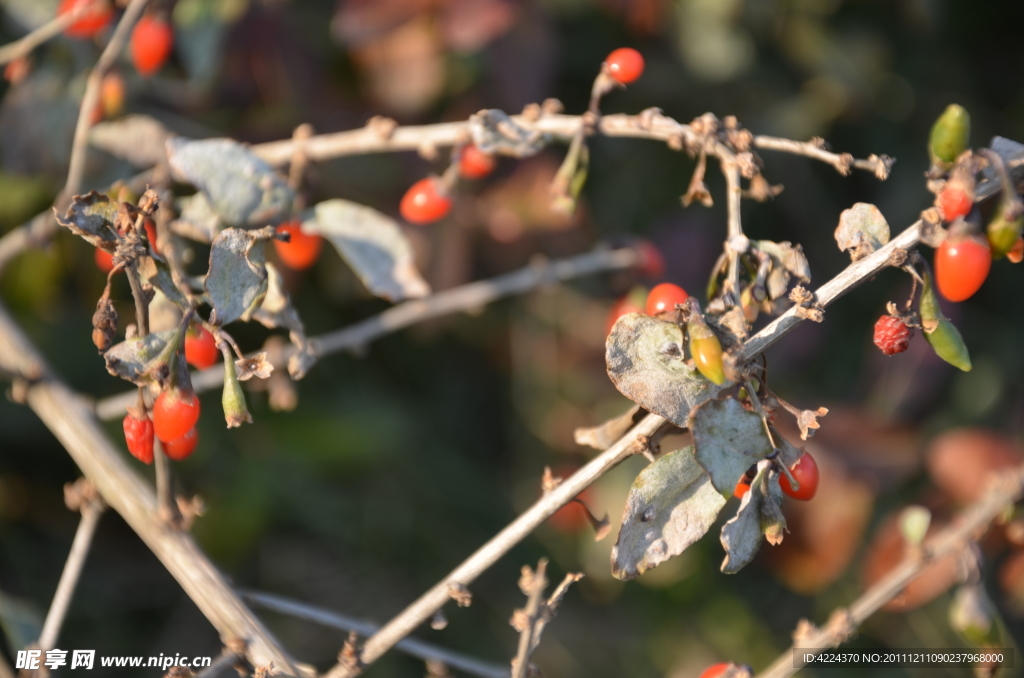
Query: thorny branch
x=843, y=623
x=79, y=496
x=463, y=298
x=411, y=646
x=531, y=620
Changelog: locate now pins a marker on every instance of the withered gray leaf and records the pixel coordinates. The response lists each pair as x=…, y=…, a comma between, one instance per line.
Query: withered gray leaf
x=644, y=357
x=197, y=219
x=139, y=139
x=373, y=245
x=787, y=260
x=671, y=505
x=862, y=230
x=607, y=434
x=728, y=439
x=759, y=514
x=133, y=358
x=91, y=216
x=237, y=279
x=158, y=275
x=277, y=311
x=242, y=188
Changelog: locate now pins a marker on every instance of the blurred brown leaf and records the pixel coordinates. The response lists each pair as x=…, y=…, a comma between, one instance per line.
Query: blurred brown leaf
x=961, y=462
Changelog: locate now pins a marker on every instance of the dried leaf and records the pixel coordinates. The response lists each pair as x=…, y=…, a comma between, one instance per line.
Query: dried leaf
x=139, y=139
x=237, y=280
x=157, y=274
x=242, y=188
x=92, y=216
x=494, y=132
x=787, y=260
x=373, y=245
x=671, y=505
x=760, y=513
x=277, y=311
x=773, y=522
x=645, y=361
x=862, y=230
x=197, y=219
x=807, y=420
x=133, y=359
x=728, y=439
x=607, y=434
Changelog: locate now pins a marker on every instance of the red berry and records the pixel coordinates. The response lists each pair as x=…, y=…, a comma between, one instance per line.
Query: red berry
x=138, y=433
x=805, y=472
x=1016, y=253
x=200, y=348
x=651, y=264
x=572, y=517
x=17, y=70
x=151, y=234
x=474, y=163
x=174, y=413
x=625, y=65
x=92, y=22
x=892, y=335
x=742, y=487
x=302, y=250
x=112, y=95
x=181, y=447
x=716, y=670
x=425, y=202
x=664, y=297
x=961, y=267
x=953, y=202
x=151, y=43
x=104, y=260
x=632, y=302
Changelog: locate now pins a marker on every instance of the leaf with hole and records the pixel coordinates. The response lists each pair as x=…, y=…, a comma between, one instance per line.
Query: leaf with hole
x=237, y=280
x=728, y=440
x=373, y=245
x=644, y=357
x=242, y=188
x=671, y=505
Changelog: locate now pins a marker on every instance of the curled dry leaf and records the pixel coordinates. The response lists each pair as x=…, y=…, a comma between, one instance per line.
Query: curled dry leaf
x=139, y=139
x=134, y=359
x=644, y=357
x=728, y=440
x=862, y=230
x=237, y=280
x=242, y=188
x=92, y=216
x=807, y=420
x=607, y=434
x=787, y=261
x=671, y=505
x=157, y=274
x=277, y=311
x=373, y=245
x=495, y=133
x=760, y=513
x=257, y=366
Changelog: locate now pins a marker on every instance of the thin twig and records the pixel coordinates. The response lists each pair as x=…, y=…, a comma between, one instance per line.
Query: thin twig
x=74, y=425
x=411, y=646
x=734, y=233
x=91, y=509
x=51, y=29
x=465, y=297
x=879, y=165
x=225, y=660
x=80, y=145
x=532, y=583
x=968, y=526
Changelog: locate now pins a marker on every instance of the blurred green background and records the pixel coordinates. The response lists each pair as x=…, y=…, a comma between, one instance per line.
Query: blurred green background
x=397, y=464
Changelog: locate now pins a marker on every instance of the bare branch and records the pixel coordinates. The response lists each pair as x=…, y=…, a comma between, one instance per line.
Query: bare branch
x=527, y=619
x=108, y=57
x=411, y=646
x=463, y=298
x=969, y=525
x=735, y=242
x=127, y=493
x=91, y=507
x=51, y=29
x=879, y=165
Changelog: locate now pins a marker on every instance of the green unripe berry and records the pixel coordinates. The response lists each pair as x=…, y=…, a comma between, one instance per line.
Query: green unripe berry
x=951, y=134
